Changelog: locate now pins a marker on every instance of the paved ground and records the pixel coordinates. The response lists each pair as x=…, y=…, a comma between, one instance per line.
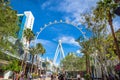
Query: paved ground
x=33, y=79
x=43, y=79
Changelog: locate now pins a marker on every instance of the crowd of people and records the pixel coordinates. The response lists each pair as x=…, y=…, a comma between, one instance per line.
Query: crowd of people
x=60, y=76
x=64, y=76
x=21, y=76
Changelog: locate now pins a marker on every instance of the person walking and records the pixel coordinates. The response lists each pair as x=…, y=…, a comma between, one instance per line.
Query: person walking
x=21, y=75
x=29, y=76
x=78, y=76
x=61, y=77
x=52, y=77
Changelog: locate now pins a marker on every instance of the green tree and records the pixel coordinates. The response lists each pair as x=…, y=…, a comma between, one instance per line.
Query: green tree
x=8, y=24
x=99, y=31
x=8, y=20
x=47, y=65
x=87, y=50
x=38, y=49
x=29, y=35
x=13, y=67
x=105, y=12
x=73, y=63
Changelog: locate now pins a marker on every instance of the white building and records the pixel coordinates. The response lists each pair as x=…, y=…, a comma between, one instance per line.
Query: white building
x=26, y=20
x=29, y=19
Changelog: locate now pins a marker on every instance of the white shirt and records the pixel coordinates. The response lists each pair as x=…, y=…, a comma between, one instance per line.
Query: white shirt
x=82, y=79
x=78, y=75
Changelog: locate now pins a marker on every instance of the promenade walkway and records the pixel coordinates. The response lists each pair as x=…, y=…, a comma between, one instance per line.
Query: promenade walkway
x=33, y=79
x=48, y=78
x=43, y=79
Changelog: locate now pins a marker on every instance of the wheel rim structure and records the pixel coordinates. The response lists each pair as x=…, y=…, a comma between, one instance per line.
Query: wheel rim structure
x=61, y=21
x=58, y=22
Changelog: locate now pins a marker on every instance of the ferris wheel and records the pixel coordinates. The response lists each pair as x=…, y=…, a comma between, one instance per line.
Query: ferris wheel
x=59, y=48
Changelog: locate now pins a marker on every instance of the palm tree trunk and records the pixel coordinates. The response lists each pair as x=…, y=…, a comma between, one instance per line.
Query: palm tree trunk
x=36, y=70
x=23, y=61
x=87, y=64
x=32, y=63
x=24, y=69
x=102, y=69
x=113, y=34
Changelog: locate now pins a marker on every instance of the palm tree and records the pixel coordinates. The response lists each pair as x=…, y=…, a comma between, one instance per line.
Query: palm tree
x=38, y=49
x=105, y=12
x=29, y=35
x=87, y=50
x=97, y=24
x=33, y=51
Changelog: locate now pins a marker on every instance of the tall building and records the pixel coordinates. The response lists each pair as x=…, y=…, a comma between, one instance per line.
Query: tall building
x=29, y=20
x=26, y=20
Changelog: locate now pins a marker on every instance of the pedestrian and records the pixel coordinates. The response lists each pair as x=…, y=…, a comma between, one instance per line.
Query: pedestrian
x=110, y=77
x=21, y=75
x=61, y=77
x=44, y=77
x=52, y=77
x=29, y=76
x=17, y=76
x=78, y=76
x=66, y=75
x=82, y=78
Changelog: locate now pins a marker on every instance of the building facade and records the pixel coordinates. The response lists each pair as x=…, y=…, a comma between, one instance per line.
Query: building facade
x=26, y=20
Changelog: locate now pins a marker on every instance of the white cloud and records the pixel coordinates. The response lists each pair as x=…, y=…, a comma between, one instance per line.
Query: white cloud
x=47, y=44
x=78, y=51
x=67, y=40
x=72, y=9
x=46, y=4
x=42, y=41
x=75, y=8
x=116, y=23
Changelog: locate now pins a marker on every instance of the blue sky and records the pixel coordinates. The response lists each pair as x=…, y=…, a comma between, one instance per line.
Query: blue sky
x=46, y=11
